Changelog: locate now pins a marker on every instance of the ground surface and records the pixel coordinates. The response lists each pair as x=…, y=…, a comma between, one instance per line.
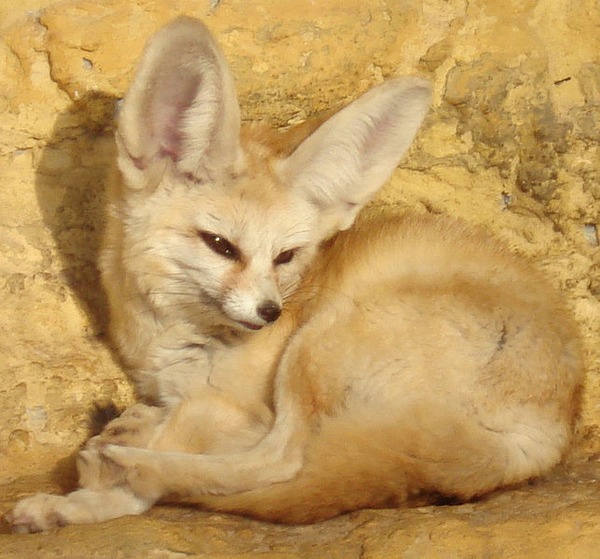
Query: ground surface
x=557, y=518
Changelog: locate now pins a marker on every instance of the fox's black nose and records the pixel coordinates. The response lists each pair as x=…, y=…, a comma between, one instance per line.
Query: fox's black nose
x=269, y=311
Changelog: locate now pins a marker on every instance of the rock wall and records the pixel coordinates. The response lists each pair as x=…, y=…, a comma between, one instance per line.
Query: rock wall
x=511, y=142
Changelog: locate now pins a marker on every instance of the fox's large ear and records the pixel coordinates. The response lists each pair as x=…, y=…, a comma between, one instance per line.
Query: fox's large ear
x=181, y=106
x=341, y=165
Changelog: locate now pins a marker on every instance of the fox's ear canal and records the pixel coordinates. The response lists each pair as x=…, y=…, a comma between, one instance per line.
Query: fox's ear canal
x=181, y=106
x=341, y=165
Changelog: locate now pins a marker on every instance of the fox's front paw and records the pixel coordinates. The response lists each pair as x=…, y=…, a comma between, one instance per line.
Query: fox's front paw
x=134, y=427
x=39, y=513
x=142, y=470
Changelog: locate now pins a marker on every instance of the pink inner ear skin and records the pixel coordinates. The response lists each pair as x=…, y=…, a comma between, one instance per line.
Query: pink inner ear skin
x=165, y=119
x=139, y=162
x=167, y=108
x=171, y=143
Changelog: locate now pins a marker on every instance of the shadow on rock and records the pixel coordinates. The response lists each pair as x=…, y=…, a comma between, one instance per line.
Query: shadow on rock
x=70, y=186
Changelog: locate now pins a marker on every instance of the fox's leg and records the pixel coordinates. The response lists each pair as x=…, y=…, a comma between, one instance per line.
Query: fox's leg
x=278, y=457
x=210, y=423
x=104, y=493
x=134, y=427
x=273, y=457
x=43, y=511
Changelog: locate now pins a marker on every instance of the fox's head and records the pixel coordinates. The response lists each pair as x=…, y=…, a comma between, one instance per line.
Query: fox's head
x=219, y=223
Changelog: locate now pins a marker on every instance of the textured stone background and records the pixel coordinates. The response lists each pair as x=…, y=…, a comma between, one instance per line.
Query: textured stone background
x=511, y=142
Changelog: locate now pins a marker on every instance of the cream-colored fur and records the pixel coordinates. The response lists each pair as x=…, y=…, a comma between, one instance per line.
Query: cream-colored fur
x=295, y=364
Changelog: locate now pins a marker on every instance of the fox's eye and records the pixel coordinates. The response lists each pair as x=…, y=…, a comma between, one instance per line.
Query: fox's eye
x=220, y=245
x=284, y=257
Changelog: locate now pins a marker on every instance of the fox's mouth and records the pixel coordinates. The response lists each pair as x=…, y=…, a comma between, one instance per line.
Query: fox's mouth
x=250, y=325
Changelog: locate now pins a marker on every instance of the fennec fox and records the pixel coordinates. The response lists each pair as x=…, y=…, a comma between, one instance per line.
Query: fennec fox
x=294, y=364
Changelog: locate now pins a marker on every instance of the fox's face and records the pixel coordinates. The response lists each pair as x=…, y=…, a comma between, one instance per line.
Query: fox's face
x=239, y=248
x=219, y=227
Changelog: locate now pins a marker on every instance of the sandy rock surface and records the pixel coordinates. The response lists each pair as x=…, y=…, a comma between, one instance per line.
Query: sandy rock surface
x=553, y=519
x=512, y=142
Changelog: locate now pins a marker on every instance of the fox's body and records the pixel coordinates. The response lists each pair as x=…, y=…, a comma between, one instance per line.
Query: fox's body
x=300, y=365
